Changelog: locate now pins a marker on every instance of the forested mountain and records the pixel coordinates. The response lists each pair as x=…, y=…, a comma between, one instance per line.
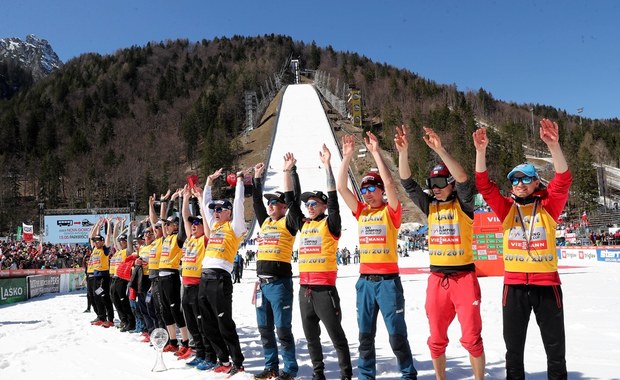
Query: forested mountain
x=107, y=130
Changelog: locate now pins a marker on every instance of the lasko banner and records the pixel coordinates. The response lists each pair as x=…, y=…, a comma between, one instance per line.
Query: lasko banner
x=38, y=285
x=72, y=228
x=13, y=290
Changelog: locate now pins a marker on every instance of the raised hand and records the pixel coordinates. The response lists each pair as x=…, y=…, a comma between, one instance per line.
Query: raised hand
x=549, y=132
x=371, y=141
x=289, y=161
x=259, y=169
x=348, y=146
x=432, y=139
x=325, y=155
x=481, y=140
x=400, y=139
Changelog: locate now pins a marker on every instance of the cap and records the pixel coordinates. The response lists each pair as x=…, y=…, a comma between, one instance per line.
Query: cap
x=140, y=236
x=314, y=194
x=192, y=218
x=278, y=196
x=158, y=224
x=441, y=170
x=372, y=179
x=97, y=238
x=122, y=237
x=526, y=169
x=223, y=203
x=172, y=219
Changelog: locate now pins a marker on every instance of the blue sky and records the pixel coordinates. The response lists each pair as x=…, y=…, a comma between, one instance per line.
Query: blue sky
x=560, y=53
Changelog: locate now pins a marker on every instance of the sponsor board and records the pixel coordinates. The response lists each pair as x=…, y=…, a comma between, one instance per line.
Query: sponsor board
x=43, y=284
x=612, y=255
x=13, y=290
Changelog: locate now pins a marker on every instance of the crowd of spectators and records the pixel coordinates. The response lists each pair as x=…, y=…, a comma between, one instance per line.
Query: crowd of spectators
x=32, y=255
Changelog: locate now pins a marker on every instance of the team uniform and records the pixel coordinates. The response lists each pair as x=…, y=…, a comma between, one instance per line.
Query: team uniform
x=274, y=310
x=319, y=300
x=379, y=289
x=453, y=287
x=531, y=279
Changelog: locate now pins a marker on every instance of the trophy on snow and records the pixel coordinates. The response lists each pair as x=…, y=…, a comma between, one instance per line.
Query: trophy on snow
x=159, y=338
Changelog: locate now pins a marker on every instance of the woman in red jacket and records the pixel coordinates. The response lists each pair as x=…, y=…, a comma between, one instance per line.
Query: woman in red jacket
x=531, y=280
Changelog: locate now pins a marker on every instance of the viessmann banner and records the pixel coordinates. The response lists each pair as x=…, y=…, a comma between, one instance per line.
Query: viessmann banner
x=72, y=228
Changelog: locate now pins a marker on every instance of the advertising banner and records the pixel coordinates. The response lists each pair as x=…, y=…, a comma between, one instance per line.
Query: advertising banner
x=488, y=244
x=576, y=255
x=13, y=290
x=38, y=285
x=67, y=229
x=611, y=255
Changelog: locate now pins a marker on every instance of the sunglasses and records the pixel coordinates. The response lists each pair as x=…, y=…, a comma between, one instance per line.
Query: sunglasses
x=366, y=189
x=524, y=180
x=148, y=233
x=219, y=209
x=272, y=202
x=311, y=203
x=438, y=182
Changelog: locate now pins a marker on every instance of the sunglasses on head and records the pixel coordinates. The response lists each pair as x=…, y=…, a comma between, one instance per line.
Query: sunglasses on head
x=272, y=202
x=524, y=180
x=366, y=189
x=311, y=203
x=438, y=182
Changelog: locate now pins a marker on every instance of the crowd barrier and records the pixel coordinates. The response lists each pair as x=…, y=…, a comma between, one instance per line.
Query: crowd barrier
x=22, y=284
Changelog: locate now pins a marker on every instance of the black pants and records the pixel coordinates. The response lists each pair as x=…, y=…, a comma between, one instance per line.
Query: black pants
x=102, y=300
x=204, y=350
x=546, y=302
x=155, y=303
x=90, y=293
x=215, y=300
x=322, y=303
x=120, y=299
x=170, y=288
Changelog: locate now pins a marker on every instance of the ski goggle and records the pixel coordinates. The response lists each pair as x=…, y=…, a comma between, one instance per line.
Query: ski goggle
x=524, y=180
x=311, y=203
x=438, y=182
x=366, y=189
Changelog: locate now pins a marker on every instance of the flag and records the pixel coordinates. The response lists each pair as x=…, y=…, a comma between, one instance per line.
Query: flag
x=27, y=232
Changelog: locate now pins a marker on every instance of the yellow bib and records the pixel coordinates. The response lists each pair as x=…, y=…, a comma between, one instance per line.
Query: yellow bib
x=317, y=248
x=101, y=262
x=450, y=233
x=276, y=242
x=170, y=257
x=192, y=258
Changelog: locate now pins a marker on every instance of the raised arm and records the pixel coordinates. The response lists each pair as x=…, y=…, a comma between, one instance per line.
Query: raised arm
x=197, y=191
x=348, y=148
x=207, y=197
x=372, y=144
x=402, y=146
x=238, y=217
x=434, y=142
x=289, y=162
x=185, y=209
x=480, y=143
x=550, y=135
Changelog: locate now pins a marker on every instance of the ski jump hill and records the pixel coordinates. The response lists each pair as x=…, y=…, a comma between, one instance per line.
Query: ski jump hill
x=302, y=128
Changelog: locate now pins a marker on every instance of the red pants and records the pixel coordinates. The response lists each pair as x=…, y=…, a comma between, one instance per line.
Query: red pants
x=447, y=296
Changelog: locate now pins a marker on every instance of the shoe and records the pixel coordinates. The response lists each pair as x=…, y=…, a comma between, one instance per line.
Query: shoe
x=98, y=322
x=205, y=365
x=94, y=320
x=146, y=339
x=86, y=311
x=144, y=333
x=235, y=370
x=194, y=362
x=170, y=348
x=268, y=373
x=318, y=376
x=222, y=368
x=285, y=376
x=107, y=324
x=182, y=351
x=121, y=325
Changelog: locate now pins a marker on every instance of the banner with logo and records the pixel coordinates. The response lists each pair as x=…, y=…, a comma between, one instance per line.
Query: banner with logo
x=71, y=229
x=43, y=284
x=13, y=290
